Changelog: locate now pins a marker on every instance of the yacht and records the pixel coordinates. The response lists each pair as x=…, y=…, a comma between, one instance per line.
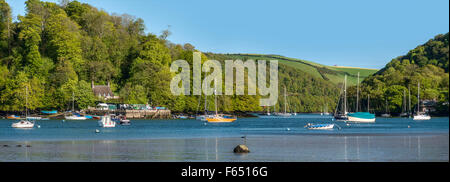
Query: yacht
x=24, y=123
x=420, y=116
x=219, y=118
x=285, y=113
x=361, y=117
x=74, y=116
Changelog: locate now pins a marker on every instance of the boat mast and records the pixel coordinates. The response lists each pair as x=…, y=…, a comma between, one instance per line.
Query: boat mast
x=409, y=97
x=357, y=95
x=368, y=103
x=26, y=103
x=206, y=96
x=404, y=101
x=345, y=95
x=215, y=101
x=418, y=98
x=73, y=102
x=285, y=101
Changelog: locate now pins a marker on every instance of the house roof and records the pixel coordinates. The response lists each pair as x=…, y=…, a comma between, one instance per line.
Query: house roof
x=102, y=90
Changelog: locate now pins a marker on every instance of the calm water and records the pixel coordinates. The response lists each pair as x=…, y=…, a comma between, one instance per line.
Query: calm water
x=269, y=139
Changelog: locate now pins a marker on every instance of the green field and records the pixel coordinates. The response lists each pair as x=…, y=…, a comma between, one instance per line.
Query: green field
x=331, y=73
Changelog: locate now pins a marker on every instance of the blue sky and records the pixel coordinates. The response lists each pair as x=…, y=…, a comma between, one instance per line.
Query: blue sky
x=347, y=32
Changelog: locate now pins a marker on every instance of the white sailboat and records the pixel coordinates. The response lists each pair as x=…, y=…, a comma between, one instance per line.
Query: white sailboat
x=74, y=116
x=419, y=115
x=24, y=123
x=285, y=114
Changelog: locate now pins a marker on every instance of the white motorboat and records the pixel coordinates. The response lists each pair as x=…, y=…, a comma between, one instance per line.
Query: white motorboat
x=23, y=124
x=75, y=117
x=422, y=117
x=320, y=126
x=106, y=122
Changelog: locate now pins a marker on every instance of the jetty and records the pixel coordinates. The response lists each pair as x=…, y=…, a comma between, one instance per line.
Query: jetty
x=134, y=114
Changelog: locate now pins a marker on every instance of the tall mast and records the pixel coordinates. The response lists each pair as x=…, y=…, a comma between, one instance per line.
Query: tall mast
x=368, y=103
x=285, y=101
x=73, y=102
x=206, y=96
x=418, y=98
x=409, y=97
x=345, y=95
x=26, y=103
x=404, y=101
x=215, y=101
x=357, y=95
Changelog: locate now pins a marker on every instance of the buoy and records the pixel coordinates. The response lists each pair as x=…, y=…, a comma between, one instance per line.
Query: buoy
x=409, y=126
x=39, y=126
x=288, y=129
x=97, y=131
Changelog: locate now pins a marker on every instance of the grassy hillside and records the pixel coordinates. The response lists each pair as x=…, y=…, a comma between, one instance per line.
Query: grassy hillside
x=329, y=73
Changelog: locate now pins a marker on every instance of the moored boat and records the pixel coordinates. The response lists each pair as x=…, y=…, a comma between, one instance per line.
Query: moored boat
x=320, y=126
x=363, y=117
x=106, y=122
x=219, y=118
x=24, y=123
x=420, y=116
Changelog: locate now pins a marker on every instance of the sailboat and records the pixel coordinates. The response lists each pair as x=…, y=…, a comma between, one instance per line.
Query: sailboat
x=219, y=118
x=342, y=115
x=404, y=107
x=419, y=115
x=386, y=114
x=363, y=117
x=24, y=123
x=74, y=116
x=285, y=114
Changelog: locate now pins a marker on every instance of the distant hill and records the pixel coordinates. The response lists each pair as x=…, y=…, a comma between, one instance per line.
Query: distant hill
x=427, y=64
x=334, y=74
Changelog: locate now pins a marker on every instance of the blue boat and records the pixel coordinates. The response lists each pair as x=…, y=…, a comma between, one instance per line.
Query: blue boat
x=361, y=117
x=50, y=112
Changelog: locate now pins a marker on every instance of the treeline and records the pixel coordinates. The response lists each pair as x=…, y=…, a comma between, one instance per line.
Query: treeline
x=427, y=64
x=57, y=50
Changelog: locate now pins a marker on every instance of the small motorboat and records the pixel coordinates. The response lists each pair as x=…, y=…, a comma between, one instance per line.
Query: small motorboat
x=125, y=121
x=23, y=124
x=319, y=126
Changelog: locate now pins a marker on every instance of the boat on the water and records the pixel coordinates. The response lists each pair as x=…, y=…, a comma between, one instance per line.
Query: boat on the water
x=24, y=123
x=106, y=122
x=125, y=121
x=285, y=113
x=420, y=116
x=219, y=118
x=363, y=117
x=320, y=126
x=12, y=117
x=75, y=117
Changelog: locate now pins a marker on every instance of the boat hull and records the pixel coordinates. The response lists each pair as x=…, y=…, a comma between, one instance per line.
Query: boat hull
x=220, y=120
x=75, y=118
x=23, y=124
x=422, y=118
x=361, y=120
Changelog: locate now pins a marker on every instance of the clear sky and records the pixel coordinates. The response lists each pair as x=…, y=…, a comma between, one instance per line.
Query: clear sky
x=346, y=32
